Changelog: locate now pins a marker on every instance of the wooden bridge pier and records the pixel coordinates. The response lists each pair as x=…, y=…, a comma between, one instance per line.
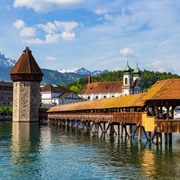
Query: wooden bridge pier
x=128, y=125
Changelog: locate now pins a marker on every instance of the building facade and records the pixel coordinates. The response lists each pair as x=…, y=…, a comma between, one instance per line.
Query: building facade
x=6, y=93
x=53, y=95
x=131, y=84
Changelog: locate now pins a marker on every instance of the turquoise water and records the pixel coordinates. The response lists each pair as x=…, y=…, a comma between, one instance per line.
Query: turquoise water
x=33, y=151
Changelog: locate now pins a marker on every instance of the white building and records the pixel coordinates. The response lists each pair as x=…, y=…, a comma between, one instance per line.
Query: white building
x=52, y=95
x=131, y=84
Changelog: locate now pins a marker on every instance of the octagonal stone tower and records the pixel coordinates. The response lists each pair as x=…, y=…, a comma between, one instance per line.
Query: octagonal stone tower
x=26, y=76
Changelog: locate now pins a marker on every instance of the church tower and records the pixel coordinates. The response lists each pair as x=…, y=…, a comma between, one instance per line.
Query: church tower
x=137, y=80
x=26, y=76
x=127, y=81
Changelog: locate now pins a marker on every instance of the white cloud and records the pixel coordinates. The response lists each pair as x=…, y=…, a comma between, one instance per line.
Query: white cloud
x=126, y=51
x=51, y=38
x=100, y=11
x=48, y=27
x=104, y=15
x=23, y=30
x=27, y=32
x=68, y=36
x=108, y=17
x=66, y=26
x=34, y=4
x=161, y=66
x=45, y=5
x=50, y=58
x=19, y=24
x=64, y=1
x=52, y=32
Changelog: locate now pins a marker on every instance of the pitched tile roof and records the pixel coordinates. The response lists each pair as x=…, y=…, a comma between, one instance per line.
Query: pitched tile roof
x=164, y=90
x=103, y=87
x=134, y=100
x=57, y=88
x=66, y=95
x=6, y=84
x=26, y=65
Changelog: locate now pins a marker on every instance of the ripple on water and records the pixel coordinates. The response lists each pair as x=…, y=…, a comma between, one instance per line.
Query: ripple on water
x=57, y=153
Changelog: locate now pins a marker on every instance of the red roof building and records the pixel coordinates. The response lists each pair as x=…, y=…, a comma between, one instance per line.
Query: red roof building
x=131, y=84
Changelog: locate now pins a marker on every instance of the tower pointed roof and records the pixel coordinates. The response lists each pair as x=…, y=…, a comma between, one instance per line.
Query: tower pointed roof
x=26, y=68
x=127, y=68
x=137, y=70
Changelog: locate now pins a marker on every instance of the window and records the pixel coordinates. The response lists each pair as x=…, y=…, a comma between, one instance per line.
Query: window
x=126, y=80
x=130, y=81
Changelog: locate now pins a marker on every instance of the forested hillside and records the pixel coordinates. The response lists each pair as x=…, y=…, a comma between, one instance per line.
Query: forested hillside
x=148, y=79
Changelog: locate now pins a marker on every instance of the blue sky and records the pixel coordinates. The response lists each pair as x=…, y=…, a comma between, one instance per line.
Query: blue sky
x=95, y=34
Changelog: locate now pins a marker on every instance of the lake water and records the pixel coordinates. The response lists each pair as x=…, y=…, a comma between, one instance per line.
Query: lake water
x=33, y=151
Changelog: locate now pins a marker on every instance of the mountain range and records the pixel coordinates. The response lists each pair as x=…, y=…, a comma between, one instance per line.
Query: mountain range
x=50, y=76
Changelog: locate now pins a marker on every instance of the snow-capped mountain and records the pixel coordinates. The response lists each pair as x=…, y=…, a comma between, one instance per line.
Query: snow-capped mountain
x=50, y=76
x=6, y=62
x=98, y=72
x=83, y=71
x=67, y=70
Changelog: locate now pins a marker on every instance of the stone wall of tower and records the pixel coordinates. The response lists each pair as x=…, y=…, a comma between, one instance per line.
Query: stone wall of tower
x=26, y=101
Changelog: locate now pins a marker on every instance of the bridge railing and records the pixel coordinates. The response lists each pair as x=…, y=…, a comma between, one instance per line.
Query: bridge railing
x=168, y=126
x=150, y=123
x=112, y=117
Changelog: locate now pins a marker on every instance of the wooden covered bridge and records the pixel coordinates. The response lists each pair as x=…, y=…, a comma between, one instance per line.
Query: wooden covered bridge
x=151, y=113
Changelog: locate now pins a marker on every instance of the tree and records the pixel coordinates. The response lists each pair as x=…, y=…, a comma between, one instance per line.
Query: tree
x=74, y=88
x=5, y=110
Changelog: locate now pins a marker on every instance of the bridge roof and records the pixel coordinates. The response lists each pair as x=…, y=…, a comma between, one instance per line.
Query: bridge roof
x=164, y=90
x=134, y=100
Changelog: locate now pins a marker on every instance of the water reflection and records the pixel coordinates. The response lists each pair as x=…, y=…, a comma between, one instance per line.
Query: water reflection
x=127, y=158
x=25, y=145
x=52, y=152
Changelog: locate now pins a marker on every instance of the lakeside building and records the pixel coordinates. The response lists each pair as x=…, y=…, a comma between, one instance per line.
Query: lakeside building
x=6, y=93
x=53, y=95
x=131, y=84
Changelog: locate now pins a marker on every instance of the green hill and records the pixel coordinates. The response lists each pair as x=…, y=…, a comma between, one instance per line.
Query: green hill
x=148, y=79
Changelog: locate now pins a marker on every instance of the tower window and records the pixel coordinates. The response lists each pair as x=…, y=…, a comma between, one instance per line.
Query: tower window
x=126, y=80
x=130, y=81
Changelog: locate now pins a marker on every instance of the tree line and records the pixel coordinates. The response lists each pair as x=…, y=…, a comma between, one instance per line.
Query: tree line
x=148, y=79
